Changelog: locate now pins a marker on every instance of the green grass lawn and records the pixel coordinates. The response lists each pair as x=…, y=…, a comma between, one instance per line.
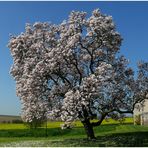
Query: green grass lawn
x=108, y=134
x=53, y=124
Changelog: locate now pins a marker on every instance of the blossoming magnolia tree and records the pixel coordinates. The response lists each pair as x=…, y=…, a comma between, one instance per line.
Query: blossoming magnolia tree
x=70, y=71
x=140, y=88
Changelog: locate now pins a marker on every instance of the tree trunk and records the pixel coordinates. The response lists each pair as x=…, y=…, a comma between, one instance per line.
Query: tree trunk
x=89, y=129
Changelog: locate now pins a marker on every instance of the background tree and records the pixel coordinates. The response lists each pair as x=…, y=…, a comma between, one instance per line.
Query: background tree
x=71, y=71
x=140, y=87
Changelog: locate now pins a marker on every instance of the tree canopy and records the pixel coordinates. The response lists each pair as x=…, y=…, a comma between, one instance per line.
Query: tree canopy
x=71, y=71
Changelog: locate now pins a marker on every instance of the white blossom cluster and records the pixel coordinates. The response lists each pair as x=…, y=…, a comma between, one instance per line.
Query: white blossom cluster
x=141, y=87
x=70, y=70
x=85, y=96
x=28, y=70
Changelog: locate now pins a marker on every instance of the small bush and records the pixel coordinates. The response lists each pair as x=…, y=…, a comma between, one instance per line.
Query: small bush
x=121, y=120
x=17, y=121
x=68, y=125
x=35, y=124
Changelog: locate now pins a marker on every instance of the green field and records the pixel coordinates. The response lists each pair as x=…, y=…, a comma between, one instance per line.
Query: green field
x=110, y=133
x=52, y=124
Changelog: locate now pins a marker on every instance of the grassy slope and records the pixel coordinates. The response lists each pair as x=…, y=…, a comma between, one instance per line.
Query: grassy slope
x=109, y=134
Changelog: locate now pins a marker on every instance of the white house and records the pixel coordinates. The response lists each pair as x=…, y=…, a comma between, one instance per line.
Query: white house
x=141, y=113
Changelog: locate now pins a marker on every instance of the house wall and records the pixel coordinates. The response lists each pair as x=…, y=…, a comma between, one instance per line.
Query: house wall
x=146, y=106
x=141, y=110
x=145, y=119
x=145, y=113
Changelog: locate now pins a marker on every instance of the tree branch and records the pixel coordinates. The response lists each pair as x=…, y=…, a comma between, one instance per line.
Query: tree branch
x=91, y=60
x=100, y=121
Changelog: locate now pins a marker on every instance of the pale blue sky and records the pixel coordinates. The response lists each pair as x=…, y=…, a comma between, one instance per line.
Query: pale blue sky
x=131, y=19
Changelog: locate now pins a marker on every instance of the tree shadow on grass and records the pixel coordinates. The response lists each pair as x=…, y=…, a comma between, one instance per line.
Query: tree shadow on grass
x=134, y=139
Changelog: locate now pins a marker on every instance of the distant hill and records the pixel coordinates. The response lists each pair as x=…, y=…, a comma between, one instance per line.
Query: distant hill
x=8, y=118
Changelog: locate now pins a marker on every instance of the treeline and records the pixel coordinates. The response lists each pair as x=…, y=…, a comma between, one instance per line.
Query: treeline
x=12, y=121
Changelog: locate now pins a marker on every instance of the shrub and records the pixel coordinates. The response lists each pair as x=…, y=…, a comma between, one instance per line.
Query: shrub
x=17, y=121
x=35, y=124
x=67, y=125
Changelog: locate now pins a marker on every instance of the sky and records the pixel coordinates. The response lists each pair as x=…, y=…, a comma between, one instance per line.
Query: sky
x=131, y=19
